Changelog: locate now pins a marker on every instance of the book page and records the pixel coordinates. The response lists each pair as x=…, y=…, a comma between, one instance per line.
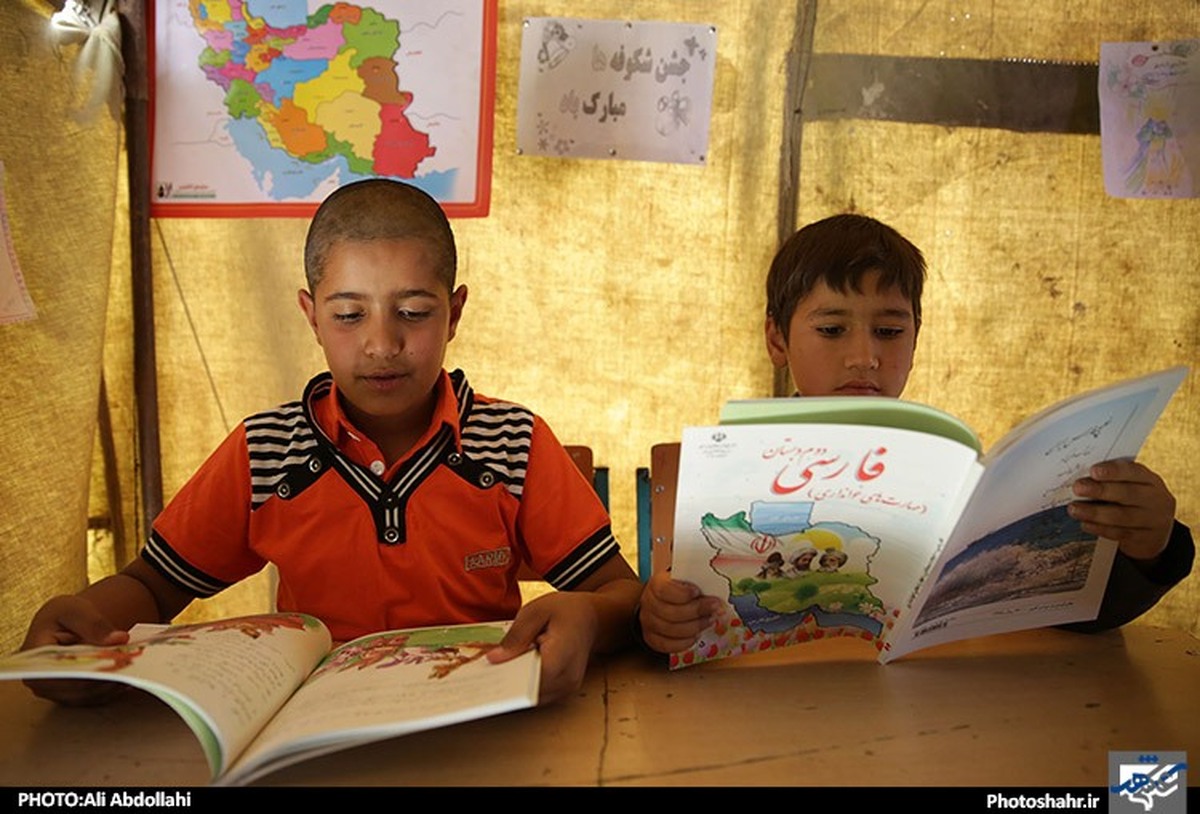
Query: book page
x=233, y=674
x=1017, y=559
x=810, y=530
x=390, y=684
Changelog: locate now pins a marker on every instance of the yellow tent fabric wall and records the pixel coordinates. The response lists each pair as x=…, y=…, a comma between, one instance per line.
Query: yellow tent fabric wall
x=61, y=184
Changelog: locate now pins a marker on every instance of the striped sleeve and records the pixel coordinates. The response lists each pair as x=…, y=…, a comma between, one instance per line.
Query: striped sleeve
x=201, y=540
x=564, y=527
x=178, y=571
x=584, y=560
x=498, y=435
x=276, y=440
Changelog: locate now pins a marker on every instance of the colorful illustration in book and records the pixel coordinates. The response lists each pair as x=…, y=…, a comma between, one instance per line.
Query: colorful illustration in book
x=103, y=659
x=256, y=626
x=1045, y=553
x=110, y=659
x=117, y=657
x=406, y=648
x=789, y=580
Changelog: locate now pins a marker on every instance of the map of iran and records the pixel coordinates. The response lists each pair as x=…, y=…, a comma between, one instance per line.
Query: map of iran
x=788, y=580
x=780, y=567
x=265, y=106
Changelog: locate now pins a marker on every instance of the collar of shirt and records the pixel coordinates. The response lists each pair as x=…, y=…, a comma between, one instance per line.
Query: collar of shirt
x=354, y=443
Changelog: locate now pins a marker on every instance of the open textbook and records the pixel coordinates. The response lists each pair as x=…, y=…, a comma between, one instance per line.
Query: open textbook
x=264, y=692
x=878, y=518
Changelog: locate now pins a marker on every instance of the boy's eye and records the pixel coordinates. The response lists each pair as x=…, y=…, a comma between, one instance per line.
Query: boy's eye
x=830, y=330
x=347, y=317
x=889, y=332
x=411, y=315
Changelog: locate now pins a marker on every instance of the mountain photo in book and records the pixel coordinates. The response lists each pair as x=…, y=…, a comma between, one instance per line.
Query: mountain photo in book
x=879, y=519
x=263, y=692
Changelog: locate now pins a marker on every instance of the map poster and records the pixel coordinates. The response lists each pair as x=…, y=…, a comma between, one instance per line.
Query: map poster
x=612, y=89
x=1150, y=118
x=261, y=108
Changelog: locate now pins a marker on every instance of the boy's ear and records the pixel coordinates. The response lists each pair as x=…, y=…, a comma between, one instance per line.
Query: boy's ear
x=776, y=344
x=309, y=307
x=458, y=298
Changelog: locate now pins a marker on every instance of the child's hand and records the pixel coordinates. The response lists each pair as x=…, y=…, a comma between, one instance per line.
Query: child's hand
x=563, y=627
x=1135, y=508
x=71, y=620
x=674, y=613
x=68, y=620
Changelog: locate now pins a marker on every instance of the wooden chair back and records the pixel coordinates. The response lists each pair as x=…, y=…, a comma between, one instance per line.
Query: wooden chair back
x=656, y=509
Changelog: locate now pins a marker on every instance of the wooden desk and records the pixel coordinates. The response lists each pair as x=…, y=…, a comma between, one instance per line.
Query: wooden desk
x=1039, y=708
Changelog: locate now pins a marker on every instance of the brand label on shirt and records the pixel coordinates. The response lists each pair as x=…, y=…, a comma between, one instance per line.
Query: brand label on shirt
x=496, y=558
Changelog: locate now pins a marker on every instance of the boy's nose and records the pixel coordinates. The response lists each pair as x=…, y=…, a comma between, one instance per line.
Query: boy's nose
x=381, y=342
x=864, y=354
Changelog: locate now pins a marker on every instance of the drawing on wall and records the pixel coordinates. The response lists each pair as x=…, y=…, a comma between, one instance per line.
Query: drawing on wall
x=612, y=89
x=263, y=109
x=1150, y=118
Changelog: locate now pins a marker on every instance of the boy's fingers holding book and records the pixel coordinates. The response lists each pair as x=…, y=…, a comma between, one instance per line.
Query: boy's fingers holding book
x=670, y=591
x=1137, y=536
x=67, y=620
x=521, y=636
x=699, y=611
x=672, y=616
x=563, y=628
x=1127, y=503
x=671, y=638
x=677, y=601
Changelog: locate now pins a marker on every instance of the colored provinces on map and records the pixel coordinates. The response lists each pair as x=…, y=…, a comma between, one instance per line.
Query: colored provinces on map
x=322, y=86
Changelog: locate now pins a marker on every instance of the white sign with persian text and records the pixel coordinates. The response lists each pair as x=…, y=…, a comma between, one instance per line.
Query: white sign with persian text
x=612, y=89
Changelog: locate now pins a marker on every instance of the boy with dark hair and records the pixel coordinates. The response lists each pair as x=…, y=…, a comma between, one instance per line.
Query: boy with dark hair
x=392, y=495
x=819, y=279
x=843, y=311
x=840, y=251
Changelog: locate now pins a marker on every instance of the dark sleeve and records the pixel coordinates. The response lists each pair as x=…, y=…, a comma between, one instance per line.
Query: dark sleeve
x=1130, y=592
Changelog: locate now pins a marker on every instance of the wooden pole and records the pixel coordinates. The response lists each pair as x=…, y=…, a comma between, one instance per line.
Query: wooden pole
x=134, y=50
x=112, y=481
x=798, y=58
